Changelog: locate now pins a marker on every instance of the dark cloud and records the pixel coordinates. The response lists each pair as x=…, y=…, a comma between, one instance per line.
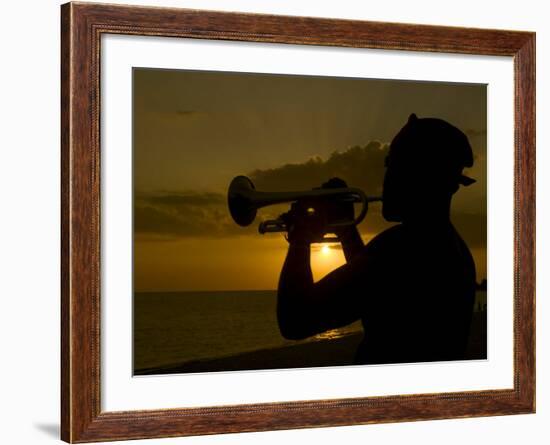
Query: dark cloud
x=361, y=167
x=181, y=201
x=184, y=214
x=204, y=214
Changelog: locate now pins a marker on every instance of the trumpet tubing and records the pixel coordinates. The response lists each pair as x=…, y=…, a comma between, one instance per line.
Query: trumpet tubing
x=244, y=201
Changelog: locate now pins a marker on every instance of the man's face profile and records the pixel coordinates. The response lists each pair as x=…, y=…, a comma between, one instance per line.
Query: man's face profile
x=423, y=168
x=393, y=193
x=404, y=181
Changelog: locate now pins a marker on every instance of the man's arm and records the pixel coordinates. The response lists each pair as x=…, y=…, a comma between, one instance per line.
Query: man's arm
x=305, y=308
x=351, y=240
x=349, y=236
x=294, y=293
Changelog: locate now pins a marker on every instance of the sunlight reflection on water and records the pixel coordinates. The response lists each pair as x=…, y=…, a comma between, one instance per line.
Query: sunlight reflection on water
x=332, y=334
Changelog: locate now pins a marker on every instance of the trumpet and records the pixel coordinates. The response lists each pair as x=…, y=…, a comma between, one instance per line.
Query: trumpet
x=244, y=200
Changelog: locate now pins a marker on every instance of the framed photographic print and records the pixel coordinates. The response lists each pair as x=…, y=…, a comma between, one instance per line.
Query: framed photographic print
x=277, y=222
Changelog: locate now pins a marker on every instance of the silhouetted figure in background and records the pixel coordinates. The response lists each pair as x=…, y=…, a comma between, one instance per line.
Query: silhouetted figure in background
x=413, y=285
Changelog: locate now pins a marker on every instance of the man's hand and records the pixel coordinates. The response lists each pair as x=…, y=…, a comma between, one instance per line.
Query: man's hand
x=306, y=223
x=338, y=210
x=309, y=220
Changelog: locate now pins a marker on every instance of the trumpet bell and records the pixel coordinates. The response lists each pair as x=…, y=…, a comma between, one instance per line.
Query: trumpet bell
x=239, y=200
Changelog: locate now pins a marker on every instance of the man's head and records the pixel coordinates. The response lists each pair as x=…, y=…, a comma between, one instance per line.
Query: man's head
x=424, y=168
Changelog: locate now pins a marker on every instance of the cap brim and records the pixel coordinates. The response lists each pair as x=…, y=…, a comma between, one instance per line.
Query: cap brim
x=465, y=180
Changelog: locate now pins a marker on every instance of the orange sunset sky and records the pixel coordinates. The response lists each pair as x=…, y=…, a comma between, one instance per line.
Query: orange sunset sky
x=195, y=131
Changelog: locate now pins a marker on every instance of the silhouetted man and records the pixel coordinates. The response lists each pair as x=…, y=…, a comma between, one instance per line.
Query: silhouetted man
x=413, y=285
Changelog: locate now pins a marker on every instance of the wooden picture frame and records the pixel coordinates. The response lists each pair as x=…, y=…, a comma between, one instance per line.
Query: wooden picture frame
x=82, y=25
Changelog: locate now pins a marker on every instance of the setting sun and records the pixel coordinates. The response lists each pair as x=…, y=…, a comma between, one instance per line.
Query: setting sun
x=325, y=258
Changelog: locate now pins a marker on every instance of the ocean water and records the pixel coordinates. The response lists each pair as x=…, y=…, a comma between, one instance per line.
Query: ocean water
x=177, y=327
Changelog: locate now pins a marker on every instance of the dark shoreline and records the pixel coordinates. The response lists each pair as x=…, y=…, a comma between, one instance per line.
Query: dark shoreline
x=336, y=352
x=333, y=352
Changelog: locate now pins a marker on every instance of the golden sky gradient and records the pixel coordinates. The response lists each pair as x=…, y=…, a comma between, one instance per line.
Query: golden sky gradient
x=195, y=131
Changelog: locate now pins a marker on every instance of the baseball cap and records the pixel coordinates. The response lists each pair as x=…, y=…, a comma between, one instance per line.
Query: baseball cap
x=439, y=144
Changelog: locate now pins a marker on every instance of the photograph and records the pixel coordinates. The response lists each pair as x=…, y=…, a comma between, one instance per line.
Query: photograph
x=288, y=221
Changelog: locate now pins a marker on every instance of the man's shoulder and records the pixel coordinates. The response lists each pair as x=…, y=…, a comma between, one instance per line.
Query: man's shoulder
x=382, y=246
x=376, y=254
